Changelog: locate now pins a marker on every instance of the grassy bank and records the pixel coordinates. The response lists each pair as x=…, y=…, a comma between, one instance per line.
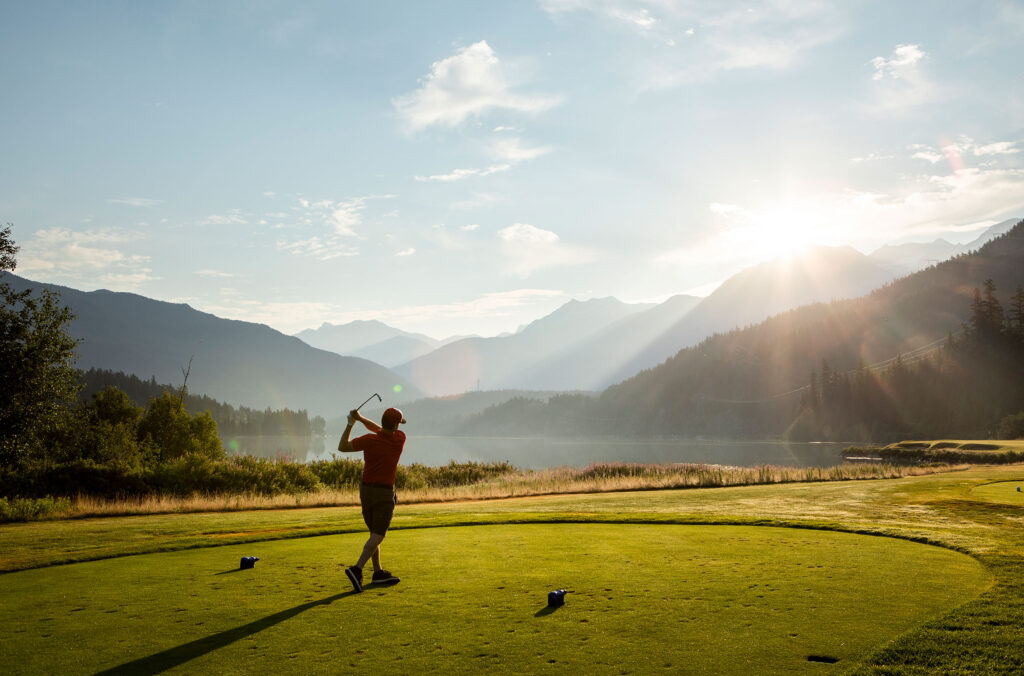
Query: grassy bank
x=984, y=451
x=457, y=482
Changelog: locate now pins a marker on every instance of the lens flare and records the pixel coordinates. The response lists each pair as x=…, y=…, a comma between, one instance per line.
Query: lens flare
x=396, y=389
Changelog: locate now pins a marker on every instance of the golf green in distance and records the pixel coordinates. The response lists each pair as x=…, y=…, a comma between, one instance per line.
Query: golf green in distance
x=1003, y=492
x=739, y=599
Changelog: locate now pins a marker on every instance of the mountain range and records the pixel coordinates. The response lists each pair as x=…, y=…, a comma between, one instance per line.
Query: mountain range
x=743, y=382
x=582, y=346
x=588, y=345
x=373, y=340
x=236, y=362
x=914, y=256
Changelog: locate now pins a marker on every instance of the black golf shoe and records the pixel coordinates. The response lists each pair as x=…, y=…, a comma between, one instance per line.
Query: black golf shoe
x=355, y=576
x=384, y=577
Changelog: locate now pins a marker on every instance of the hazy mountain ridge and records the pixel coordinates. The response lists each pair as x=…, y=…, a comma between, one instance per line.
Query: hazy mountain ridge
x=498, y=363
x=233, y=361
x=914, y=256
x=371, y=339
x=640, y=340
x=754, y=294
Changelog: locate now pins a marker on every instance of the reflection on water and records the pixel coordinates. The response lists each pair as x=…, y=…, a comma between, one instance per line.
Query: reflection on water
x=302, y=449
x=539, y=453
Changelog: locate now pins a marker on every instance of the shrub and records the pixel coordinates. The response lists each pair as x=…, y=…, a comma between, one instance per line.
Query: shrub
x=26, y=509
x=339, y=472
x=1011, y=427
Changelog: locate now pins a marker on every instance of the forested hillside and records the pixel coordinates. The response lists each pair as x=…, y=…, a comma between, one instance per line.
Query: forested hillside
x=230, y=421
x=917, y=352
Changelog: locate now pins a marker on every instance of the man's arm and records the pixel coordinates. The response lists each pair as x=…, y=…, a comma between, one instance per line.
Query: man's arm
x=345, y=446
x=367, y=423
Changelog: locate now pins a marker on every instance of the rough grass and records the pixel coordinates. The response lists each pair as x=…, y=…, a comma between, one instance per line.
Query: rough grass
x=481, y=483
x=645, y=598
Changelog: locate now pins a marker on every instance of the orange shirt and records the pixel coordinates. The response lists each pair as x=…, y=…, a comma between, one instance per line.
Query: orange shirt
x=380, y=456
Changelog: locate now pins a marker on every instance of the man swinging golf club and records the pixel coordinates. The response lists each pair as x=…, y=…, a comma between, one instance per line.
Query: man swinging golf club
x=381, y=451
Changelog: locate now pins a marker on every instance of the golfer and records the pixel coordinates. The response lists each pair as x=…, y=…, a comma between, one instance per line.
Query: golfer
x=381, y=451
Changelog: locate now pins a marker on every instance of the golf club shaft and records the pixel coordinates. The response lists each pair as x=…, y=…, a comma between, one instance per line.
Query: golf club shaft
x=368, y=399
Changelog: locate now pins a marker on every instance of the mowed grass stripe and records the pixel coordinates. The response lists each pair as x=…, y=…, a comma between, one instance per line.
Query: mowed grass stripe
x=646, y=597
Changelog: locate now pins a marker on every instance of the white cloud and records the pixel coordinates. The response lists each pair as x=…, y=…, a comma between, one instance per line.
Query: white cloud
x=468, y=84
x=136, y=201
x=459, y=174
x=230, y=217
x=214, y=273
x=321, y=248
x=872, y=157
x=955, y=151
x=470, y=227
x=998, y=148
x=88, y=256
x=759, y=34
x=406, y=252
x=512, y=150
x=928, y=156
x=509, y=152
x=326, y=226
x=900, y=64
x=527, y=249
x=900, y=84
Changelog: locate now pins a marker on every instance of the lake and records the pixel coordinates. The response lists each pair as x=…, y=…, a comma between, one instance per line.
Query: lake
x=543, y=452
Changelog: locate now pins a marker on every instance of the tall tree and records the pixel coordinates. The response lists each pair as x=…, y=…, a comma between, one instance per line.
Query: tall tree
x=1016, y=317
x=38, y=381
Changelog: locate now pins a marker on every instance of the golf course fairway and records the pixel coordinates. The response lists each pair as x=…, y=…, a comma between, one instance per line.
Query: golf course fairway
x=1003, y=492
x=646, y=597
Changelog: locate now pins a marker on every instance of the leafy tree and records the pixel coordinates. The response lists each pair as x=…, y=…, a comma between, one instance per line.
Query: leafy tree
x=168, y=426
x=104, y=430
x=38, y=382
x=1011, y=427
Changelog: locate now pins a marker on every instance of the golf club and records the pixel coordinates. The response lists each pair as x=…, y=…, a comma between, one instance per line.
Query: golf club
x=368, y=399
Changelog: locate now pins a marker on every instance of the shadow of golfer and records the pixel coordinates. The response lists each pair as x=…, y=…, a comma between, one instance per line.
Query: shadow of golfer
x=173, y=657
x=546, y=610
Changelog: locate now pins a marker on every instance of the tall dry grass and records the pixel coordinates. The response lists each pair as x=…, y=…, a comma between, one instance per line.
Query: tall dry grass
x=598, y=478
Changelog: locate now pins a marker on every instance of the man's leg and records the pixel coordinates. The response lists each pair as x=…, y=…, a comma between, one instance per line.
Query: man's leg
x=370, y=549
x=375, y=557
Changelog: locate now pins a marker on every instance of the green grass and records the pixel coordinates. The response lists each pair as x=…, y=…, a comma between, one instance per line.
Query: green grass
x=1003, y=492
x=952, y=451
x=954, y=510
x=977, y=445
x=732, y=599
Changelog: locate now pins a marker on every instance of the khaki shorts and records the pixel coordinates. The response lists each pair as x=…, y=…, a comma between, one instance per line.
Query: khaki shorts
x=378, y=507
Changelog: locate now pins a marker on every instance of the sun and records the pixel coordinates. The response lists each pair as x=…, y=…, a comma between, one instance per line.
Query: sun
x=780, y=232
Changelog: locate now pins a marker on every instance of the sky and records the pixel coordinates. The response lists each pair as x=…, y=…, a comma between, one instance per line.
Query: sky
x=457, y=168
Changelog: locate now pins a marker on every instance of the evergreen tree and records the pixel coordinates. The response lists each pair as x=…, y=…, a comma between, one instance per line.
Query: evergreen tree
x=1015, y=321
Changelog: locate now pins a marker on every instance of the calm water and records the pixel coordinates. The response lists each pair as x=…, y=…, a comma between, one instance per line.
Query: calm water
x=539, y=453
